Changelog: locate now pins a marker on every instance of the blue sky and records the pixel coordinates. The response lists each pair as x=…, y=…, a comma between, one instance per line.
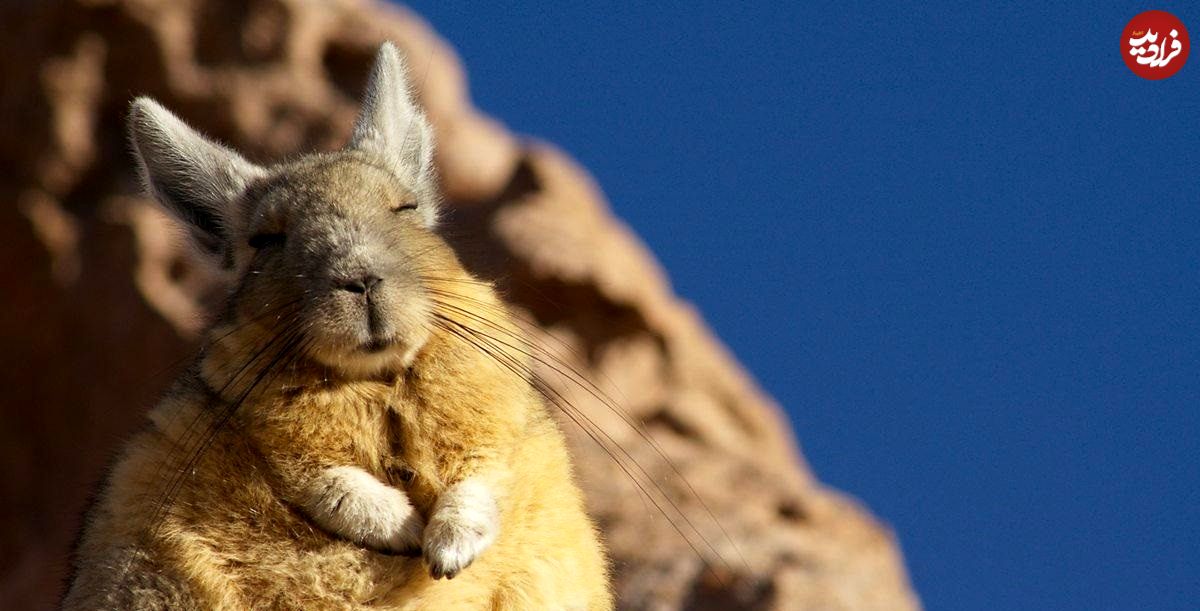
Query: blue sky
x=960, y=244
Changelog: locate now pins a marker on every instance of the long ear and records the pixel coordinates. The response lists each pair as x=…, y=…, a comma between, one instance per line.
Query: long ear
x=390, y=126
x=195, y=179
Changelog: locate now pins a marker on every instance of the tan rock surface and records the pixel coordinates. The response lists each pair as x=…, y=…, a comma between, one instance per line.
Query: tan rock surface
x=102, y=305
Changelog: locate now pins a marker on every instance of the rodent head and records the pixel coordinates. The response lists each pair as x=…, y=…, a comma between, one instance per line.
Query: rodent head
x=339, y=242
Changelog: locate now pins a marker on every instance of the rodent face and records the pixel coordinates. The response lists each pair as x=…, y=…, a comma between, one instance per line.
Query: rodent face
x=344, y=240
x=335, y=247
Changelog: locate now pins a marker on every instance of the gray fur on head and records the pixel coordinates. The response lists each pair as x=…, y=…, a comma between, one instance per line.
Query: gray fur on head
x=201, y=182
x=392, y=129
x=194, y=178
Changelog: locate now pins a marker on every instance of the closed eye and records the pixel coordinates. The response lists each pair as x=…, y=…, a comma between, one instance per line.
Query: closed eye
x=403, y=207
x=264, y=240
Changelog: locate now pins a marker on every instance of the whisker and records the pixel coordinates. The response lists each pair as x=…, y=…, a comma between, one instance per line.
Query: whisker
x=241, y=326
x=567, y=371
x=591, y=428
x=194, y=454
x=164, y=506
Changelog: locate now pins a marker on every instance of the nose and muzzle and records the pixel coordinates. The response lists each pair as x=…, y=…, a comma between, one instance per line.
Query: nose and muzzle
x=362, y=285
x=365, y=288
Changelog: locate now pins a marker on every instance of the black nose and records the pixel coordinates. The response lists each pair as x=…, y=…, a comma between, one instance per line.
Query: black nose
x=362, y=284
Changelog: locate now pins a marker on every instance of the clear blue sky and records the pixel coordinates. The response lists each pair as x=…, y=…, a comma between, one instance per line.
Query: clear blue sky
x=960, y=245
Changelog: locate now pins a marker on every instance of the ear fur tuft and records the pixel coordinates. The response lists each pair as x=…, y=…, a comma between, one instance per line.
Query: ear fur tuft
x=391, y=127
x=195, y=179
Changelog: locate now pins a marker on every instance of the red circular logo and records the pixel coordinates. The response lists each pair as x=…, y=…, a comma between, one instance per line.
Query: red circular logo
x=1155, y=45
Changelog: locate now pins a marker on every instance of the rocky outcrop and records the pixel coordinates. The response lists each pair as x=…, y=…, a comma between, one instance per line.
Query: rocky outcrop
x=102, y=305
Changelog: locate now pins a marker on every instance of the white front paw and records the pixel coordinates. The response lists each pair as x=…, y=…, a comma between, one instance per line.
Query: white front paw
x=465, y=522
x=353, y=504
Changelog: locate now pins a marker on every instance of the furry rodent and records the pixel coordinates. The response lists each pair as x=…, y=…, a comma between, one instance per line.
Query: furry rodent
x=344, y=440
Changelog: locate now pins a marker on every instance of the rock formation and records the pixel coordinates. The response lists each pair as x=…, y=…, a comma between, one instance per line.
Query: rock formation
x=102, y=304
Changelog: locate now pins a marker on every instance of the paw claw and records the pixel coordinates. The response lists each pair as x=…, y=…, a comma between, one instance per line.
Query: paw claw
x=463, y=525
x=438, y=570
x=448, y=550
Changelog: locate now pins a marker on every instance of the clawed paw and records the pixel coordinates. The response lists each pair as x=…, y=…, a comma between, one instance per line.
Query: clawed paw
x=464, y=523
x=449, y=548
